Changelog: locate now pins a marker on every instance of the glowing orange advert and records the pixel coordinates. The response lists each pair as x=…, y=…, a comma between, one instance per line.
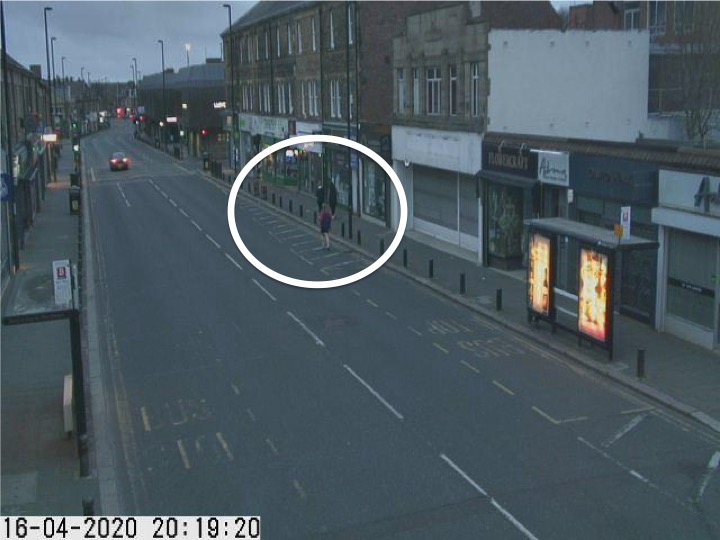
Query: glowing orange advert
x=539, y=274
x=593, y=294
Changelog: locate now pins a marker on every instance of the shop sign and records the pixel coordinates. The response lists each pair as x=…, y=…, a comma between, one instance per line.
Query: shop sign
x=274, y=127
x=553, y=167
x=509, y=159
x=609, y=178
x=697, y=193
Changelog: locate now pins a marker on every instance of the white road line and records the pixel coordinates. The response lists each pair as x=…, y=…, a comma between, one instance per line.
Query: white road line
x=625, y=429
x=299, y=489
x=318, y=341
x=470, y=366
x=183, y=212
x=163, y=194
x=272, y=447
x=638, y=410
x=250, y=414
x=503, y=388
x=440, y=347
x=212, y=240
x=512, y=519
x=356, y=293
x=416, y=332
x=183, y=454
x=146, y=419
x=235, y=389
x=172, y=202
x=373, y=304
x=224, y=445
x=263, y=289
x=127, y=203
x=544, y=415
x=638, y=476
x=198, y=227
x=233, y=261
x=373, y=392
x=391, y=315
x=711, y=468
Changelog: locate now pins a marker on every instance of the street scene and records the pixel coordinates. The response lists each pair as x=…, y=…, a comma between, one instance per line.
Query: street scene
x=537, y=358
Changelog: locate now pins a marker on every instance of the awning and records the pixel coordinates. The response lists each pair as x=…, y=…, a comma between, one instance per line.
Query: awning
x=591, y=234
x=507, y=179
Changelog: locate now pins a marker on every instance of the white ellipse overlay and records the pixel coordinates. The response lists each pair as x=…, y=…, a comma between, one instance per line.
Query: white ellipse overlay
x=294, y=141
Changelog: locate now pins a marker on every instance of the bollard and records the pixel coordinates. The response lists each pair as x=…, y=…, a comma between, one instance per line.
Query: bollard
x=359, y=239
x=462, y=283
x=431, y=268
x=273, y=198
x=314, y=217
x=405, y=257
x=301, y=210
x=84, y=458
x=88, y=507
x=641, y=364
x=382, y=246
x=342, y=229
x=498, y=299
x=280, y=197
x=290, y=206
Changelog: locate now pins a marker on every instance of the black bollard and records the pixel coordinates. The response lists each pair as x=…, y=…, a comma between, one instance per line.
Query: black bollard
x=272, y=198
x=405, y=257
x=280, y=201
x=88, y=507
x=641, y=363
x=382, y=246
x=498, y=299
x=431, y=268
x=84, y=457
x=301, y=210
x=290, y=206
x=314, y=217
x=359, y=239
x=462, y=283
x=342, y=229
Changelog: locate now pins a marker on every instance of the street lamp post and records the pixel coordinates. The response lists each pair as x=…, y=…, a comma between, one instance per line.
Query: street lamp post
x=164, y=112
x=232, y=89
x=187, y=53
x=135, y=81
x=47, y=58
x=64, y=87
x=54, y=82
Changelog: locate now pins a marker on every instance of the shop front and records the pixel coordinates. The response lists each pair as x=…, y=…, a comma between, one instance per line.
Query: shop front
x=309, y=158
x=376, y=186
x=688, y=217
x=601, y=188
x=511, y=195
x=341, y=165
x=275, y=167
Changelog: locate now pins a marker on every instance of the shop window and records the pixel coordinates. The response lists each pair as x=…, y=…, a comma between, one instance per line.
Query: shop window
x=505, y=213
x=374, y=178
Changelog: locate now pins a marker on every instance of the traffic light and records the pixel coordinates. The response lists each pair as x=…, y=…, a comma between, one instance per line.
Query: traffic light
x=204, y=133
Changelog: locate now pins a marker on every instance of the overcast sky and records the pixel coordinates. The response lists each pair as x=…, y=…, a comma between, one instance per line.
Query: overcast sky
x=103, y=37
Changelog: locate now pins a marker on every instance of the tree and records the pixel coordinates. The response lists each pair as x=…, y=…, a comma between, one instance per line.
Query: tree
x=698, y=33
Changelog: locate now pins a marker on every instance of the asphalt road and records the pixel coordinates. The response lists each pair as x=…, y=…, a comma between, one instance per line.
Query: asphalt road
x=374, y=410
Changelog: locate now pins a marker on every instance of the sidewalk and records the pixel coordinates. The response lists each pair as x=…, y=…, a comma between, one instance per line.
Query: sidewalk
x=40, y=465
x=678, y=374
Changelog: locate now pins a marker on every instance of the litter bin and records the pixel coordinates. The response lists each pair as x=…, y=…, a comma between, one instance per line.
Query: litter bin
x=74, y=195
x=74, y=178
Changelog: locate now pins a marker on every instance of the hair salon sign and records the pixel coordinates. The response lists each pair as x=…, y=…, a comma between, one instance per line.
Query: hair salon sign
x=553, y=168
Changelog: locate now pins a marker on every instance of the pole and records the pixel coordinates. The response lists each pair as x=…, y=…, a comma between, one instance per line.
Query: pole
x=349, y=154
x=164, y=115
x=54, y=85
x=135, y=82
x=47, y=58
x=232, y=88
x=12, y=214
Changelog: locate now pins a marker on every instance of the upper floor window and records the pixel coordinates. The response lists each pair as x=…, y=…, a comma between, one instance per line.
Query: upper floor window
x=314, y=36
x=432, y=94
x=267, y=46
x=302, y=99
x=350, y=24
x=257, y=47
x=632, y=16
x=400, y=91
x=298, y=32
x=475, y=88
x=277, y=39
x=289, y=38
x=684, y=15
x=416, y=91
x=453, y=103
x=658, y=17
x=332, y=31
x=335, y=99
x=291, y=107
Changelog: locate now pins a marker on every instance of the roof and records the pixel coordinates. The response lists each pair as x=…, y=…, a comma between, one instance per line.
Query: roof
x=597, y=236
x=265, y=10
x=671, y=156
x=521, y=15
x=196, y=76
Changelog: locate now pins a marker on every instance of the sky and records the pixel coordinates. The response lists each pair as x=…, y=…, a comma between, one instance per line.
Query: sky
x=103, y=37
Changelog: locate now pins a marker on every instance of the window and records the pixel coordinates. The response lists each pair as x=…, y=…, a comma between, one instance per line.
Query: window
x=453, y=90
x=281, y=98
x=416, y=91
x=400, y=91
x=332, y=32
x=302, y=98
x=257, y=47
x=267, y=46
x=657, y=18
x=315, y=99
x=277, y=38
x=267, y=98
x=475, y=88
x=244, y=98
x=351, y=101
x=684, y=13
x=289, y=38
x=350, y=23
x=241, y=51
x=433, y=90
x=298, y=31
x=252, y=98
x=335, y=99
x=632, y=16
x=314, y=38
x=291, y=109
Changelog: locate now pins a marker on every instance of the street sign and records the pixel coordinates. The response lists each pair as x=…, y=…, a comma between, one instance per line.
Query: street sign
x=625, y=221
x=63, y=283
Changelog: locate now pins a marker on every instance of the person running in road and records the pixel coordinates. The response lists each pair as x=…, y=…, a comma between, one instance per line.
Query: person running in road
x=325, y=224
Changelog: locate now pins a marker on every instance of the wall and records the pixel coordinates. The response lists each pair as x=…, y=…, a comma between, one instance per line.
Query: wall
x=575, y=84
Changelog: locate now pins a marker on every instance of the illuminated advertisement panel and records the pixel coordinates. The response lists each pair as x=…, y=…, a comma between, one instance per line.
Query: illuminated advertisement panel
x=539, y=278
x=593, y=295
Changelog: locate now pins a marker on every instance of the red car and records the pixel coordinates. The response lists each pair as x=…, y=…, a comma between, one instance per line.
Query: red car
x=119, y=162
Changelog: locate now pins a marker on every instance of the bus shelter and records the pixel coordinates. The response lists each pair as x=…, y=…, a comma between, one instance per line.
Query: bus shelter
x=587, y=311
